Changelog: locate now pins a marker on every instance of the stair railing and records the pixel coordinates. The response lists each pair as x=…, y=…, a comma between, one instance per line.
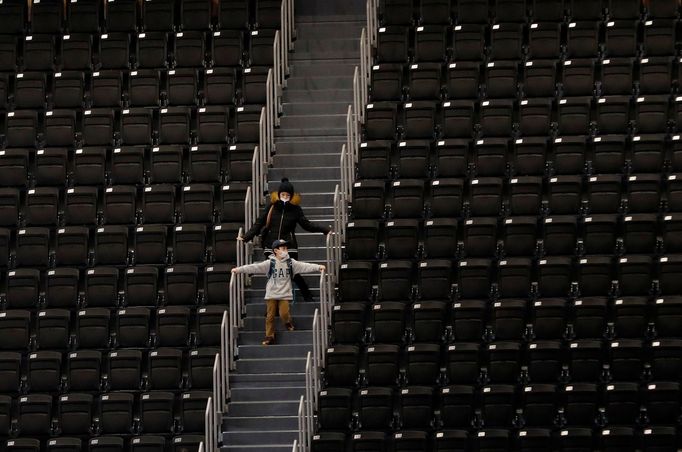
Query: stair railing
x=202, y=448
x=209, y=426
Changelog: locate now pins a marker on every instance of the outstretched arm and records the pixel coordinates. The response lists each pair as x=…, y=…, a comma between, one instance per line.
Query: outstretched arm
x=258, y=267
x=305, y=267
x=310, y=226
x=257, y=226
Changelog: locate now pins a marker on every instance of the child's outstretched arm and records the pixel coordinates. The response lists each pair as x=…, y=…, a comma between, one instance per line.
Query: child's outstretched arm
x=306, y=267
x=258, y=267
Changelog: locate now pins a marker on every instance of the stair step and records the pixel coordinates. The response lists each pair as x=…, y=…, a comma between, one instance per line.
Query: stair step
x=261, y=436
x=250, y=423
x=323, y=172
x=322, y=145
x=312, y=279
x=298, y=308
x=309, y=95
x=328, y=82
x=309, y=68
x=299, y=336
x=260, y=394
x=268, y=408
x=258, y=448
x=299, y=132
x=330, y=30
x=306, y=160
x=309, y=186
x=256, y=323
x=347, y=15
x=275, y=380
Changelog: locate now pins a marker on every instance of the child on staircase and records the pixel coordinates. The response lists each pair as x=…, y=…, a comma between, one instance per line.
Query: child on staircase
x=280, y=270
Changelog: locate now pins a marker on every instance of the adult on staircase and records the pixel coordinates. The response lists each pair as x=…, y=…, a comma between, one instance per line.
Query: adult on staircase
x=278, y=222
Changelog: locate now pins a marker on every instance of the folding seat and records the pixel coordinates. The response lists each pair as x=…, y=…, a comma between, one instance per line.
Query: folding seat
x=604, y=193
x=189, y=243
x=22, y=129
x=260, y=47
x=39, y=53
x=158, y=204
x=666, y=315
x=446, y=198
x=106, y=444
x=195, y=14
x=673, y=200
x=432, y=12
x=456, y=404
x=51, y=166
x=216, y=282
x=643, y=193
x=419, y=119
x=8, y=55
x=407, y=198
x=164, y=369
x=617, y=77
x=534, y=117
x=474, y=278
x=395, y=12
x=124, y=369
x=348, y=322
x=150, y=245
x=127, y=165
x=44, y=371
x=428, y=320
x=224, y=249
x=111, y=245
x=662, y=8
x=634, y=275
x=205, y=163
x=97, y=129
x=594, y=275
x=424, y=81
x=116, y=412
x=458, y=120
x=34, y=414
x=395, y=280
x=621, y=403
x=422, y=365
x=80, y=206
x=166, y=166
x=496, y=118
x=415, y=409
x=11, y=373
x=503, y=362
x=212, y=125
x=15, y=327
x=114, y=48
x=14, y=165
x=219, y=86
x=23, y=445
x=387, y=322
x=158, y=15
x=182, y=87
x=375, y=408
x=355, y=280
x=469, y=42
x=392, y=45
x=192, y=405
x=525, y=195
x=209, y=320
x=519, y=236
x=92, y=329
x=106, y=88
x=143, y=88
x=149, y=442
x=472, y=11
x=369, y=440
x=625, y=364
x=381, y=121
x=583, y=40
x=655, y=75
x=137, y=126
x=196, y=203
x=4, y=87
x=64, y=445
x=514, y=278
x=462, y=80
x=665, y=361
x=647, y=153
x=507, y=319
x=670, y=230
x=29, y=90
x=41, y=206
x=151, y=50
x=84, y=16
x=621, y=39
x=574, y=116
x=172, y=326
x=180, y=285
x=497, y=403
x=547, y=10
x=22, y=288
x=141, y=286
x=485, y=196
x=186, y=441
x=14, y=16
x=52, y=329
x=189, y=49
x=564, y=194
x=450, y=159
x=480, y=237
x=74, y=413
x=569, y=155
x=368, y=199
x=200, y=367
x=227, y=47
x=599, y=234
x=440, y=238
x=548, y=318
x=469, y=319
x=430, y=43
x=659, y=37
x=657, y=438
x=119, y=205
x=492, y=440
x=544, y=361
x=76, y=52
x=580, y=403
x=232, y=201
x=651, y=114
x=174, y=125
x=374, y=159
x=156, y=415
x=554, y=276
x=608, y=154
x=578, y=77
x=32, y=247
x=506, y=41
x=101, y=287
x=133, y=327
x=342, y=366
x=668, y=265
x=630, y=315
x=613, y=114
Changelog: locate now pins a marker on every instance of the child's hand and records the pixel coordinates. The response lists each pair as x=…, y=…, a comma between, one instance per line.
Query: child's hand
x=322, y=268
x=234, y=270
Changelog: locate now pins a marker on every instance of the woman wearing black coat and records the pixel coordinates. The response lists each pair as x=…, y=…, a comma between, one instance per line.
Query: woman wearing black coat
x=279, y=220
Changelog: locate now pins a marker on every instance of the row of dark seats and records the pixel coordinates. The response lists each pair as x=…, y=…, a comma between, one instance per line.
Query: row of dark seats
x=110, y=413
x=611, y=439
x=526, y=118
x=146, y=443
x=132, y=126
x=509, y=79
x=545, y=41
x=406, y=12
x=138, y=88
x=89, y=371
x=526, y=195
x=92, y=16
x=137, y=327
x=148, y=50
x=103, y=166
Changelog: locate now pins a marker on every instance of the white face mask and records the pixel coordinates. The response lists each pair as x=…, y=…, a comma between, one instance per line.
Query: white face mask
x=285, y=197
x=283, y=255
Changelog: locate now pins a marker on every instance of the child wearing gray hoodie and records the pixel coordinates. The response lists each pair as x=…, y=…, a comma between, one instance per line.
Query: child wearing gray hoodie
x=278, y=290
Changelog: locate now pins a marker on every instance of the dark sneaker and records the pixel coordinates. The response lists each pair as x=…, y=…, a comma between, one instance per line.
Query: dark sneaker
x=290, y=326
x=269, y=340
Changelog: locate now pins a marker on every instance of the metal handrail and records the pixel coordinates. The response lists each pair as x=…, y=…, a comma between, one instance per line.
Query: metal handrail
x=225, y=360
x=209, y=428
x=201, y=447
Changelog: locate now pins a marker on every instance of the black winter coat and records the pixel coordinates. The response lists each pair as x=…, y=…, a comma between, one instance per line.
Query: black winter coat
x=285, y=217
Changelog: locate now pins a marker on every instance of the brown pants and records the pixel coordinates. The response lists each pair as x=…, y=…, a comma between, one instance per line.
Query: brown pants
x=273, y=306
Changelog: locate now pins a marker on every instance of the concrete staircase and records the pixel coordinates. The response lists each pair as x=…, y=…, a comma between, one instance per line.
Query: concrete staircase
x=262, y=414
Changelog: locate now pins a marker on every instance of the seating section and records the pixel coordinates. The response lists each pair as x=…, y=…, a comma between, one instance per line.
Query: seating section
x=124, y=128
x=508, y=267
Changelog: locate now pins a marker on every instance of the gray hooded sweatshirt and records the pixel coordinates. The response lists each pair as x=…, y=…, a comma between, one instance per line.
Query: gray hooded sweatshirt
x=278, y=286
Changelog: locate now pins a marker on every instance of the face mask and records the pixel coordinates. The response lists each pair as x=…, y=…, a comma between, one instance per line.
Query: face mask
x=284, y=255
